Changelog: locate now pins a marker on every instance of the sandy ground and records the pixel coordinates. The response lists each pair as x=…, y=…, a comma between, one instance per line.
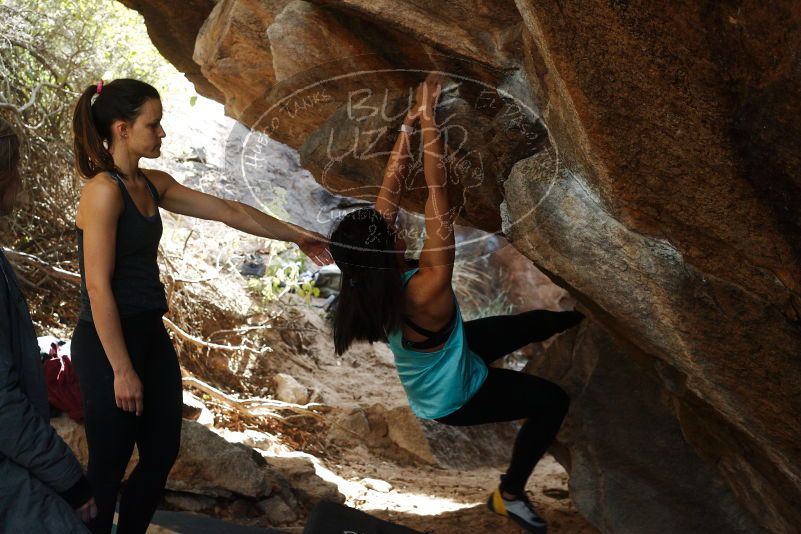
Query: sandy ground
x=417, y=495
x=431, y=500
x=449, y=502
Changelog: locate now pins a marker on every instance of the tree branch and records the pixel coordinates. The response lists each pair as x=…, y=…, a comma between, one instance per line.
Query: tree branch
x=35, y=261
x=36, y=54
x=206, y=344
x=246, y=407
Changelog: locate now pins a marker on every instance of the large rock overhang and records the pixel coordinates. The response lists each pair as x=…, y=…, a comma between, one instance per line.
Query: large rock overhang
x=652, y=168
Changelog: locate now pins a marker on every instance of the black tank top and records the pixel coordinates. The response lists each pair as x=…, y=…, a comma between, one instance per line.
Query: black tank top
x=135, y=282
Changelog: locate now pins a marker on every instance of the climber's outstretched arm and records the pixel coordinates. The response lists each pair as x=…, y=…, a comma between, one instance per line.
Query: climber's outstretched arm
x=388, y=200
x=437, y=257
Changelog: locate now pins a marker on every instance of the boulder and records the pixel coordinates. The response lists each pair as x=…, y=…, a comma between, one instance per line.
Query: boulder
x=442, y=445
x=175, y=34
x=645, y=157
x=209, y=468
x=206, y=465
x=190, y=502
x=195, y=410
x=278, y=512
x=298, y=469
x=209, y=465
x=631, y=467
x=288, y=389
x=349, y=427
x=405, y=431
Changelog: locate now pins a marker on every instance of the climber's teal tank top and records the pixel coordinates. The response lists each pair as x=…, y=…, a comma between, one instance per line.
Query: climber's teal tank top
x=438, y=383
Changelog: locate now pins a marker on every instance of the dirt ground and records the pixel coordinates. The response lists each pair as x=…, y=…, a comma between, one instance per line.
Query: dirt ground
x=417, y=495
x=449, y=502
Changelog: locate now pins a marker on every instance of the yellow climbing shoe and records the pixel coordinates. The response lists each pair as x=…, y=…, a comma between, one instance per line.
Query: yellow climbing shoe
x=519, y=510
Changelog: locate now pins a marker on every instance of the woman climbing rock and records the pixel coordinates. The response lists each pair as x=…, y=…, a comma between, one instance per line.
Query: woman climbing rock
x=441, y=360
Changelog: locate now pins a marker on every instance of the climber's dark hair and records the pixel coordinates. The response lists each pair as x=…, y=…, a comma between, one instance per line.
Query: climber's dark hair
x=91, y=124
x=370, y=300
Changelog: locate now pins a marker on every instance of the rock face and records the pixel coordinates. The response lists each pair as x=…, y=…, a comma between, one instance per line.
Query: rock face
x=644, y=156
x=626, y=452
x=288, y=389
x=174, y=35
x=398, y=434
x=206, y=465
x=213, y=474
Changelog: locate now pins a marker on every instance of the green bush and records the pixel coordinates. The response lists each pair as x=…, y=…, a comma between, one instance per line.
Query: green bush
x=283, y=275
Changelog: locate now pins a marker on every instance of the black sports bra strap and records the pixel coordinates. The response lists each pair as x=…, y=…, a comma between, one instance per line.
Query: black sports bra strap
x=424, y=331
x=434, y=338
x=420, y=330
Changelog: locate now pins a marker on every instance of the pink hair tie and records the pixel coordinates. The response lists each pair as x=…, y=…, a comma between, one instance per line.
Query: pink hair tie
x=99, y=87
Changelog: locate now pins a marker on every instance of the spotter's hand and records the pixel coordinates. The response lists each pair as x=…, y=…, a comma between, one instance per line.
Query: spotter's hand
x=315, y=246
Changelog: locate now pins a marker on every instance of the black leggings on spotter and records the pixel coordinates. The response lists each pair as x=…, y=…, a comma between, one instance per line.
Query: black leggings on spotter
x=508, y=395
x=112, y=432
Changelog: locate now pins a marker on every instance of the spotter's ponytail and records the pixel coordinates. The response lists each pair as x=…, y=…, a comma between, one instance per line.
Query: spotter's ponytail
x=91, y=123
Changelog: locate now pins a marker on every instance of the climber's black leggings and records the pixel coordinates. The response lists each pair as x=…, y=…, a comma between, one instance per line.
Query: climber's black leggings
x=508, y=395
x=111, y=432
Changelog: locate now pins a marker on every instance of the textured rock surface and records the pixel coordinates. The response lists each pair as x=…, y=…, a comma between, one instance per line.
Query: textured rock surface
x=398, y=434
x=288, y=389
x=626, y=453
x=174, y=35
x=300, y=472
x=526, y=287
x=280, y=66
x=206, y=464
x=665, y=196
x=675, y=316
x=211, y=472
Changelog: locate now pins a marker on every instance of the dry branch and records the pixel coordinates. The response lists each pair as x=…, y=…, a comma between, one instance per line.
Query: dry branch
x=206, y=344
x=247, y=406
x=32, y=100
x=19, y=258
